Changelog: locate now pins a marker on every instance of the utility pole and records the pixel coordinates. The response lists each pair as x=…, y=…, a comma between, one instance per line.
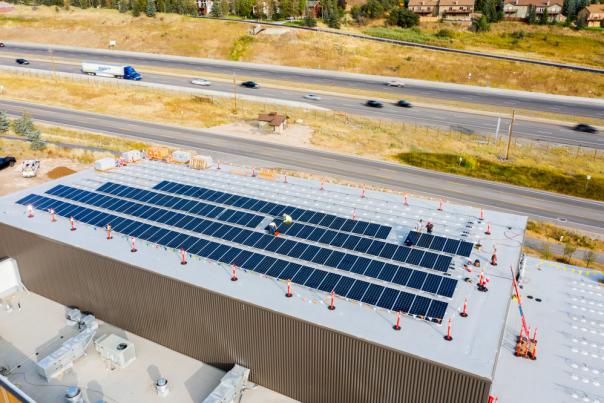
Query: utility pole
x=507, y=153
x=234, y=94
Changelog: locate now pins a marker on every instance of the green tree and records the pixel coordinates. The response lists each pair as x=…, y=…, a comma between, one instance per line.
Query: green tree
x=581, y=21
x=589, y=256
x=532, y=14
x=544, y=18
x=24, y=125
x=372, y=9
x=36, y=142
x=136, y=9
x=4, y=122
x=569, y=250
x=216, y=10
x=309, y=21
x=489, y=10
x=244, y=8
x=124, y=6
x=480, y=25
x=150, y=10
x=403, y=17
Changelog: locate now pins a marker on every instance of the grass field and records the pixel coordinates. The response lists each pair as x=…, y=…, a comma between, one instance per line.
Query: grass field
x=174, y=34
x=532, y=164
x=511, y=38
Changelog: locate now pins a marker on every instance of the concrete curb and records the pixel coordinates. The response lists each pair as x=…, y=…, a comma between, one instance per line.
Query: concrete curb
x=165, y=87
x=317, y=73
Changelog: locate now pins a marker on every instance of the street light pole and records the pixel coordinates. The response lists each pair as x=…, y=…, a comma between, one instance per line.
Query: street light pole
x=234, y=94
x=587, y=179
x=507, y=152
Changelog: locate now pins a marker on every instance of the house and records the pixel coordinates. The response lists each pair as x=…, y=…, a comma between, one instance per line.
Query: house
x=423, y=8
x=456, y=10
x=6, y=7
x=593, y=14
x=519, y=9
x=204, y=7
x=313, y=8
x=274, y=120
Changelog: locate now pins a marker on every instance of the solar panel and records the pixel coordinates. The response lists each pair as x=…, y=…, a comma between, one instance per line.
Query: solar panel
x=262, y=264
x=447, y=287
x=420, y=306
x=327, y=220
x=440, y=244
x=465, y=249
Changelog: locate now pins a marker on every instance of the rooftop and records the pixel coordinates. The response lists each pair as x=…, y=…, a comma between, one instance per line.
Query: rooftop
x=566, y=305
x=363, y=260
x=38, y=327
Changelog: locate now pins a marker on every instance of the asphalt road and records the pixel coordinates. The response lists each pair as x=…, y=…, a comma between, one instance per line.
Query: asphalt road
x=421, y=116
x=259, y=72
x=581, y=213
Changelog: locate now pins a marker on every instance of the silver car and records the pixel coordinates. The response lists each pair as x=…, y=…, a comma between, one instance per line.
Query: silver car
x=201, y=81
x=395, y=83
x=312, y=97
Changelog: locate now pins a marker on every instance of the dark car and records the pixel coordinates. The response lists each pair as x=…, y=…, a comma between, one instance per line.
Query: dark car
x=22, y=61
x=7, y=162
x=585, y=128
x=374, y=104
x=403, y=104
x=1, y=44
x=250, y=84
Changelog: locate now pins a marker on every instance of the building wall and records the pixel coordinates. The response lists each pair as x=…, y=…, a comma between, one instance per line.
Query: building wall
x=299, y=359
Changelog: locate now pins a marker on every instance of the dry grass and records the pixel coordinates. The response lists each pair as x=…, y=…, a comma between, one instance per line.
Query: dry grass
x=180, y=35
x=332, y=131
x=547, y=42
x=578, y=260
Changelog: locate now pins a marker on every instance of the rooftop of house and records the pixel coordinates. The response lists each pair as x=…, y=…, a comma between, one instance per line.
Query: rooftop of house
x=273, y=118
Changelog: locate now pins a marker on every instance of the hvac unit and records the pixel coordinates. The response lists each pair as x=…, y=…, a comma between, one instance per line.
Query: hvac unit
x=115, y=349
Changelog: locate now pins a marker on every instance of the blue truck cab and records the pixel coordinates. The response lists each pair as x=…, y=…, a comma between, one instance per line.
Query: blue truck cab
x=131, y=74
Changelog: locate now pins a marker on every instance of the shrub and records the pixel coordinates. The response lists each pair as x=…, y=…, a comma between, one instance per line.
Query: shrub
x=309, y=21
x=403, y=17
x=24, y=125
x=445, y=33
x=150, y=10
x=480, y=25
x=4, y=122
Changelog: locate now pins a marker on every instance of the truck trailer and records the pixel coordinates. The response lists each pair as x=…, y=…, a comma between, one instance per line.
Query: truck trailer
x=110, y=70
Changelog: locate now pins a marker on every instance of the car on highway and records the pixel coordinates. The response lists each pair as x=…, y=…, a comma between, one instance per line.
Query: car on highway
x=404, y=104
x=395, y=83
x=250, y=84
x=201, y=81
x=7, y=161
x=374, y=104
x=22, y=61
x=312, y=97
x=1, y=44
x=585, y=128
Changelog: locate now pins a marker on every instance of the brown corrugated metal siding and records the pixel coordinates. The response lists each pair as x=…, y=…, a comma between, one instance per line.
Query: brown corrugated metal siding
x=297, y=358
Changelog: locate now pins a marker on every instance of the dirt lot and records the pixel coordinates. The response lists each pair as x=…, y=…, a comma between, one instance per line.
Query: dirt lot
x=295, y=135
x=12, y=181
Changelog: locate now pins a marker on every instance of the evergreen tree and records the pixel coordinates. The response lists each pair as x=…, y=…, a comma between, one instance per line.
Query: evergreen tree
x=500, y=6
x=571, y=12
x=489, y=10
x=532, y=14
x=136, y=9
x=150, y=10
x=403, y=17
x=4, y=122
x=543, y=20
x=24, y=125
x=216, y=10
x=123, y=6
x=480, y=25
x=36, y=143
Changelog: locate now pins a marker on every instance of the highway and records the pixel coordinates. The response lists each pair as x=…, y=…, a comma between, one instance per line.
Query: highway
x=422, y=116
x=460, y=93
x=581, y=213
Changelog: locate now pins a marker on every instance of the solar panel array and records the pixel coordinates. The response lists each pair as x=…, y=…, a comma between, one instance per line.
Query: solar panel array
x=356, y=264
x=229, y=225
x=274, y=209
x=441, y=244
x=374, y=247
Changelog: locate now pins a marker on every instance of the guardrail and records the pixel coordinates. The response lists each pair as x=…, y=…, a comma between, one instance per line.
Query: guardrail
x=420, y=45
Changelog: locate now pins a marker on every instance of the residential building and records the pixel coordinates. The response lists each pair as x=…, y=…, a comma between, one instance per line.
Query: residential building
x=593, y=14
x=519, y=9
x=423, y=8
x=313, y=8
x=277, y=122
x=204, y=7
x=458, y=10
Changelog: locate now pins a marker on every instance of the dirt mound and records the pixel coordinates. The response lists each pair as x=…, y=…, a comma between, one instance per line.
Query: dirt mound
x=59, y=172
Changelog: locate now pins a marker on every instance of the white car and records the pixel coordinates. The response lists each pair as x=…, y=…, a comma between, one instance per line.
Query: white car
x=312, y=97
x=395, y=83
x=201, y=81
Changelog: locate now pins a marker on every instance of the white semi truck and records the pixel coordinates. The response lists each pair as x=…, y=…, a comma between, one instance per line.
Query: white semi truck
x=110, y=70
